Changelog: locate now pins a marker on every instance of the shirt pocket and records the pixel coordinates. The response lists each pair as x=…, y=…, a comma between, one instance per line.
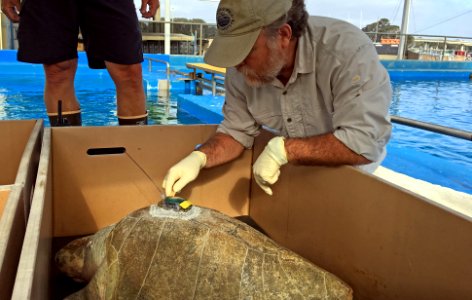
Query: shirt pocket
x=318, y=119
x=269, y=119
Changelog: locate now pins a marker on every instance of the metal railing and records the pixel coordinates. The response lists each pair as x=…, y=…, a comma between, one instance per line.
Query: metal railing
x=193, y=38
x=151, y=60
x=189, y=38
x=423, y=46
x=215, y=84
x=466, y=135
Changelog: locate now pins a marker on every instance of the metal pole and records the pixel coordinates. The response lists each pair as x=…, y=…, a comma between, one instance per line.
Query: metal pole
x=200, y=51
x=404, y=29
x=167, y=29
x=376, y=31
x=444, y=48
x=195, y=44
x=466, y=135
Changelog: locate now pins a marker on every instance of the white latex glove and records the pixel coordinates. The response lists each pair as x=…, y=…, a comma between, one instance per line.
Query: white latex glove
x=266, y=169
x=183, y=172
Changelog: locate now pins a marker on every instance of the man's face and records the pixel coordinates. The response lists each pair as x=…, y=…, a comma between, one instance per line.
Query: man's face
x=264, y=62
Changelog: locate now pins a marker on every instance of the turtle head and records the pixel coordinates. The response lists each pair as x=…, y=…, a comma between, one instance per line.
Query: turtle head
x=81, y=258
x=70, y=259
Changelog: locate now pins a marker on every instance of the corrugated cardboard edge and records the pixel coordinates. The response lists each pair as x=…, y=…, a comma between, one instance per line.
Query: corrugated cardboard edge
x=14, y=217
x=36, y=250
x=28, y=168
x=4, y=193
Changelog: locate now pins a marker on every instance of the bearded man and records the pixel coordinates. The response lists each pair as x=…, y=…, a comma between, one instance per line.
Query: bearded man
x=316, y=82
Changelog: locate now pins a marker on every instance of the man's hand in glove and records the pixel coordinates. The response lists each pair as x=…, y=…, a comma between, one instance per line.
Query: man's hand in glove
x=183, y=172
x=266, y=169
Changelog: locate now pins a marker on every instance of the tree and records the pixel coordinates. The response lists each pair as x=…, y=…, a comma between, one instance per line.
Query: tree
x=179, y=25
x=378, y=30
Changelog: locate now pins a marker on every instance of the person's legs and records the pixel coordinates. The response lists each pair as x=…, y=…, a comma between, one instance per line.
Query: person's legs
x=131, y=100
x=47, y=35
x=60, y=87
x=120, y=52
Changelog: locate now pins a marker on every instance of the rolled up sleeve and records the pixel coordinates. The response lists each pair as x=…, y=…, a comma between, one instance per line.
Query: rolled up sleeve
x=362, y=95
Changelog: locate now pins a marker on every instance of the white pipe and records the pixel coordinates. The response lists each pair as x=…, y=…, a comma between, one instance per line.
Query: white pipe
x=167, y=28
x=404, y=29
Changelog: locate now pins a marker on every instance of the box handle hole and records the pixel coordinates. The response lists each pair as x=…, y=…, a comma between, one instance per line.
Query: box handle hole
x=106, y=151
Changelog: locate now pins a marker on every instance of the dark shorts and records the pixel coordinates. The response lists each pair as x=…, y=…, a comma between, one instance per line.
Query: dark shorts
x=48, y=31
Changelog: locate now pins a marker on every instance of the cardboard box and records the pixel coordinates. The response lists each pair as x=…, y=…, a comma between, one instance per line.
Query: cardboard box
x=383, y=241
x=19, y=157
x=4, y=193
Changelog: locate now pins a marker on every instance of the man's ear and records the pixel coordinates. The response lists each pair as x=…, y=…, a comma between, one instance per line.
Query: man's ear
x=285, y=32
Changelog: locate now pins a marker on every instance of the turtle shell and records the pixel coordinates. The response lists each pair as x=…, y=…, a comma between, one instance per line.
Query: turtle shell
x=154, y=253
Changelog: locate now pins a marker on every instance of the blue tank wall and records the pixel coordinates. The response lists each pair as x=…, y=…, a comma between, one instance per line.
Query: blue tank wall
x=398, y=69
x=419, y=69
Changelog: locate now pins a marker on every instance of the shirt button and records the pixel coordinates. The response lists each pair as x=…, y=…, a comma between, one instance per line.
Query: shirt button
x=284, y=93
x=289, y=120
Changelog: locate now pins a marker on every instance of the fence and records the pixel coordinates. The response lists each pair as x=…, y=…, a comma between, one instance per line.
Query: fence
x=192, y=38
x=423, y=47
x=188, y=38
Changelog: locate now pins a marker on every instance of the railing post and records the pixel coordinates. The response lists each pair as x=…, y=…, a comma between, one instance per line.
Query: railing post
x=213, y=84
x=150, y=59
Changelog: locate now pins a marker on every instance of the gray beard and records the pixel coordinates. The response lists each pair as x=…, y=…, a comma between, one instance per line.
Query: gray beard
x=273, y=67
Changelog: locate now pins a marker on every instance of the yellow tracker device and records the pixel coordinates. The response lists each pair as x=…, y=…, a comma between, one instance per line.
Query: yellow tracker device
x=185, y=205
x=176, y=203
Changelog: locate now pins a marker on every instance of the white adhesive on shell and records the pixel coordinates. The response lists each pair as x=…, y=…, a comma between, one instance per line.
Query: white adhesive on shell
x=157, y=211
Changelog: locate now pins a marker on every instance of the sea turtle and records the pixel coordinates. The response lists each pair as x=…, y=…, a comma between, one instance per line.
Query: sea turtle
x=157, y=253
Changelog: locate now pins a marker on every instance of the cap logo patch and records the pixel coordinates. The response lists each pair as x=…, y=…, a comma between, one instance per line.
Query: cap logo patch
x=224, y=18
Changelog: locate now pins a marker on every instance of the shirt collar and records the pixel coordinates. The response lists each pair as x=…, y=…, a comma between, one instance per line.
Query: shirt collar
x=304, y=59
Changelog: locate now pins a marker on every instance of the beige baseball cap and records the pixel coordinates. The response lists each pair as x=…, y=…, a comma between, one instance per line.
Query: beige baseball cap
x=239, y=23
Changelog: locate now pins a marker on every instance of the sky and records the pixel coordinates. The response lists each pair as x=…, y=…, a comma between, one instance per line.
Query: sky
x=429, y=17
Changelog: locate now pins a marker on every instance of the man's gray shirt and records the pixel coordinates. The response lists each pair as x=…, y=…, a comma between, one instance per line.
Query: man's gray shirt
x=338, y=85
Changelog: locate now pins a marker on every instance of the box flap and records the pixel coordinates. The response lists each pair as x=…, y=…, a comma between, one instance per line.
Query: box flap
x=385, y=242
x=14, y=136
